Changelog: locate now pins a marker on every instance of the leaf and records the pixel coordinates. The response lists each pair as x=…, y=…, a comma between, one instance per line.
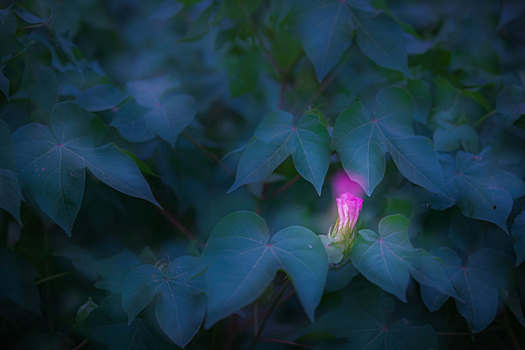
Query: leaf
x=451, y=137
x=114, y=270
x=180, y=307
x=381, y=39
x=311, y=150
x=511, y=102
x=51, y=161
x=41, y=84
x=518, y=234
x=481, y=190
x=422, y=98
x=107, y=325
x=243, y=261
x=10, y=192
x=275, y=139
x=17, y=278
x=167, y=119
x=475, y=283
x=9, y=45
x=388, y=259
x=362, y=321
x=361, y=139
x=100, y=97
x=326, y=30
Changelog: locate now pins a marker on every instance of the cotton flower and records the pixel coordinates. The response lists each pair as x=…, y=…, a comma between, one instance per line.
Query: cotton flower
x=341, y=235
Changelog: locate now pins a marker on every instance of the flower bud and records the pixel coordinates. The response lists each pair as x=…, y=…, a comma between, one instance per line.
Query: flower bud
x=341, y=235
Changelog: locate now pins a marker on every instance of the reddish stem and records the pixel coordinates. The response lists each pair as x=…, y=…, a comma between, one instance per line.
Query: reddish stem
x=208, y=153
x=283, y=341
x=179, y=226
x=79, y=346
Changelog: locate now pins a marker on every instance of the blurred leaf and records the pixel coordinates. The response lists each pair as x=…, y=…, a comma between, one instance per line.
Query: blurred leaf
x=99, y=98
x=10, y=192
x=381, y=39
x=422, y=98
x=236, y=278
x=17, y=278
x=167, y=119
x=518, y=233
x=114, y=270
x=108, y=325
x=475, y=282
x=180, y=307
x=41, y=84
x=51, y=162
x=363, y=321
x=326, y=30
x=511, y=102
x=481, y=190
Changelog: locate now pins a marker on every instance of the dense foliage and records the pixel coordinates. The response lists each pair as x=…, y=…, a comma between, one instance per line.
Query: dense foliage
x=216, y=136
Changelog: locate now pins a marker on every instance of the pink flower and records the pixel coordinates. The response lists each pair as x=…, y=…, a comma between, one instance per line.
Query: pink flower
x=341, y=236
x=348, y=208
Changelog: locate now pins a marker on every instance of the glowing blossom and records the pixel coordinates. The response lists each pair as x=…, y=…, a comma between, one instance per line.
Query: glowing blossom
x=348, y=208
x=341, y=235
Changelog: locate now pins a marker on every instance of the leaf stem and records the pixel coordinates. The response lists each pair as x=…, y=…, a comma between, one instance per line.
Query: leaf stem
x=80, y=345
x=52, y=277
x=283, y=187
x=289, y=342
x=275, y=302
x=180, y=227
x=485, y=117
x=208, y=153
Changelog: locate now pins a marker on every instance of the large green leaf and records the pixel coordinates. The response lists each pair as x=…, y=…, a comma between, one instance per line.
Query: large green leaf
x=17, y=278
x=361, y=138
x=243, y=262
x=480, y=189
x=326, y=31
x=166, y=119
x=10, y=192
x=41, y=84
x=476, y=283
x=388, y=259
x=109, y=326
x=100, y=97
x=363, y=321
x=381, y=39
x=180, y=307
x=51, y=161
x=275, y=139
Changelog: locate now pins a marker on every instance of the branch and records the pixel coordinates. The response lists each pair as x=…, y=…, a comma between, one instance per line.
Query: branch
x=257, y=336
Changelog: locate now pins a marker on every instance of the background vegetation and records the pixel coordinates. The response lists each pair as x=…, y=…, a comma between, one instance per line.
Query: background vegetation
x=187, y=112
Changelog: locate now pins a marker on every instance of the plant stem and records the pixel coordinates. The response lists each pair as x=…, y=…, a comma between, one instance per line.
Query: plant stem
x=485, y=117
x=81, y=345
x=52, y=277
x=180, y=227
x=284, y=187
x=289, y=342
x=208, y=153
x=257, y=336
